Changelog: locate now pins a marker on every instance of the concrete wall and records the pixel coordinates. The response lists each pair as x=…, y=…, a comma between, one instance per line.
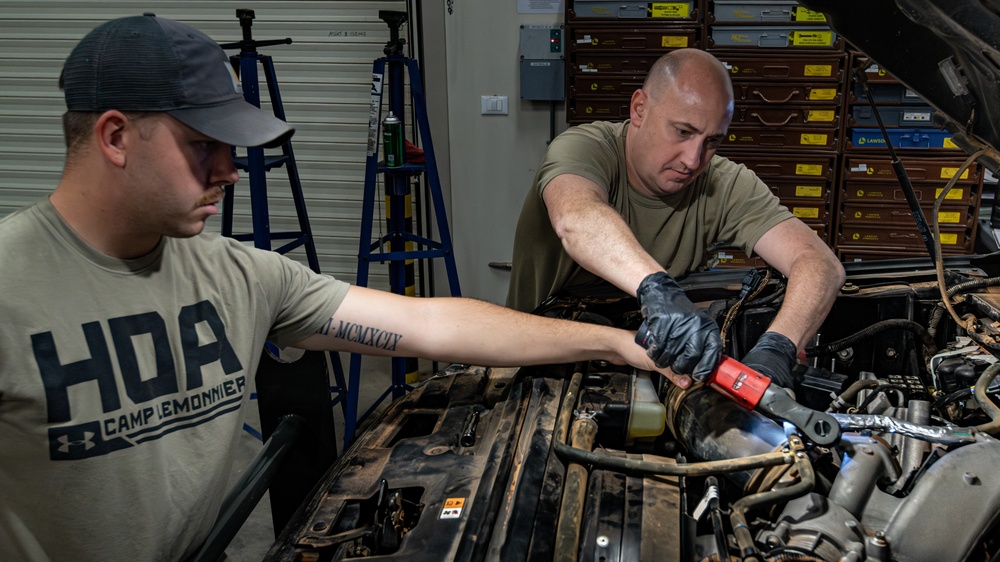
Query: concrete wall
x=491, y=159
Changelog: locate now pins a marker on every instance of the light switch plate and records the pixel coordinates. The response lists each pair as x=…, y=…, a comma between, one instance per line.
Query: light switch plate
x=494, y=105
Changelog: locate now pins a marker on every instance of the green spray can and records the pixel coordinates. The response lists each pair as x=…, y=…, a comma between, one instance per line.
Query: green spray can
x=392, y=140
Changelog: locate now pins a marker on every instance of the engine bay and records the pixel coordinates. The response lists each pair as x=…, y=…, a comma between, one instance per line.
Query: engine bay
x=599, y=462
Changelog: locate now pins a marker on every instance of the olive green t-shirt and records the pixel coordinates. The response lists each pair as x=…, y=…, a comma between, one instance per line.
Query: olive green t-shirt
x=124, y=384
x=727, y=205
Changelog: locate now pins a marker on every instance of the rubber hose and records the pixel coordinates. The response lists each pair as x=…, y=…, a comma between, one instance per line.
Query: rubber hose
x=807, y=479
x=991, y=409
x=567, y=543
x=935, y=318
x=928, y=343
x=850, y=393
x=707, y=468
x=974, y=284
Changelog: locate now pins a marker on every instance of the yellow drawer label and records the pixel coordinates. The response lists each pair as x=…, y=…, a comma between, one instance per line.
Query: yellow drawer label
x=805, y=14
x=819, y=70
x=808, y=170
x=947, y=173
x=823, y=94
x=811, y=38
x=863, y=193
x=953, y=194
x=809, y=191
x=949, y=238
x=806, y=212
x=824, y=115
x=949, y=217
x=673, y=41
x=813, y=139
x=671, y=10
x=948, y=143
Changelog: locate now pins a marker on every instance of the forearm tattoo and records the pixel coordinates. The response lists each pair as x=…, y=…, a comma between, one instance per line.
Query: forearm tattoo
x=365, y=335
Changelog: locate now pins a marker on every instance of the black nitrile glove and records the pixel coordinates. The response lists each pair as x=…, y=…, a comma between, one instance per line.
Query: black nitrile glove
x=676, y=333
x=773, y=356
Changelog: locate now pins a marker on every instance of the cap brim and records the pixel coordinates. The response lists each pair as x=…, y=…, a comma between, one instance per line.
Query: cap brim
x=237, y=123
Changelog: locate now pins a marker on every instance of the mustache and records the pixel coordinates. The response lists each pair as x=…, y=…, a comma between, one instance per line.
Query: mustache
x=211, y=197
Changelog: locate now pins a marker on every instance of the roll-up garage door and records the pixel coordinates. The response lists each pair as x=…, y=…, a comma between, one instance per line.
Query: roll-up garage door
x=324, y=77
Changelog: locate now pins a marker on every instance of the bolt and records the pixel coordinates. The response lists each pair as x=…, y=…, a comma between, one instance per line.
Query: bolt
x=879, y=539
x=602, y=541
x=890, y=352
x=971, y=478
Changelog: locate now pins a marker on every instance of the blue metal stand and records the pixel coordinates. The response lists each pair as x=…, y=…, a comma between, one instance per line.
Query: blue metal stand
x=397, y=192
x=256, y=164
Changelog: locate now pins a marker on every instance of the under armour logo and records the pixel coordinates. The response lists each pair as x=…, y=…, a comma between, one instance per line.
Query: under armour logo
x=87, y=442
x=80, y=442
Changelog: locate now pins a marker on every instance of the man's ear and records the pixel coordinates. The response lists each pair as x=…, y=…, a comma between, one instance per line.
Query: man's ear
x=638, y=106
x=109, y=133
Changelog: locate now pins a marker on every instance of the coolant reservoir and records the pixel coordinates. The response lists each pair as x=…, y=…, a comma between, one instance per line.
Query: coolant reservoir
x=648, y=415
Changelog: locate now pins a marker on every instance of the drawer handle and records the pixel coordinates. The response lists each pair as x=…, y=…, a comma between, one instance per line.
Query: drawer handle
x=791, y=94
x=770, y=124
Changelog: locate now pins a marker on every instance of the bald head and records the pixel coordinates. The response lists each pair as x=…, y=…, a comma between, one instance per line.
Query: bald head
x=687, y=69
x=677, y=121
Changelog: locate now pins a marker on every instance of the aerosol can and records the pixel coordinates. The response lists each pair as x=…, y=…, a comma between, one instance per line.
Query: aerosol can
x=392, y=141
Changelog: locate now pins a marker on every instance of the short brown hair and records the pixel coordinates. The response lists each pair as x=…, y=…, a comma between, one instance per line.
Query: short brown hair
x=77, y=126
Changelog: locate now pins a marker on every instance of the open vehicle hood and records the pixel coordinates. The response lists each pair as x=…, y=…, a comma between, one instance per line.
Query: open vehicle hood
x=947, y=51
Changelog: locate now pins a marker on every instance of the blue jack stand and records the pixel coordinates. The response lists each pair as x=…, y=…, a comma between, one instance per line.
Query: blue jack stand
x=256, y=164
x=399, y=237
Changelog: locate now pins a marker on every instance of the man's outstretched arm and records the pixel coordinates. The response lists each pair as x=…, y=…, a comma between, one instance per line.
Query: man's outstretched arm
x=462, y=330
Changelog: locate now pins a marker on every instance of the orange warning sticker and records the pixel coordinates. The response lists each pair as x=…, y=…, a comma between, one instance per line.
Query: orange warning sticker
x=452, y=508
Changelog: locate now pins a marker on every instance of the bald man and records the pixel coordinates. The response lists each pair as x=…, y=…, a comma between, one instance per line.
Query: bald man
x=641, y=202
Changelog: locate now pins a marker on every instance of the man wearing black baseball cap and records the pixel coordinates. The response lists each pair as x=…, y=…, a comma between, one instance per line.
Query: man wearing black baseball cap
x=129, y=337
x=146, y=63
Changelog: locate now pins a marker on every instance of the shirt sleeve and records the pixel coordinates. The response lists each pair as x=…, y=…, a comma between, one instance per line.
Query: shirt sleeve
x=591, y=153
x=300, y=300
x=750, y=209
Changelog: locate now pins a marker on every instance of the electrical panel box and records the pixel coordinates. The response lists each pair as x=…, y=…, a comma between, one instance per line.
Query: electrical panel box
x=541, y=42
x=543, y=62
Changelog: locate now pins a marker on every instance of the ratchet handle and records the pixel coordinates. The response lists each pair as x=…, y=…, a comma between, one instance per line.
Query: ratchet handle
x=820, y=427
x=753, y=391
x=740, y=383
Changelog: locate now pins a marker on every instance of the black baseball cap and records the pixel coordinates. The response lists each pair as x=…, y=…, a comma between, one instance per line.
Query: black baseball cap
x=146, y=63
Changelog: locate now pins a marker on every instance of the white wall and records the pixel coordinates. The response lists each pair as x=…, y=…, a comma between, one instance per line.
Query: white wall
x=492, y=157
